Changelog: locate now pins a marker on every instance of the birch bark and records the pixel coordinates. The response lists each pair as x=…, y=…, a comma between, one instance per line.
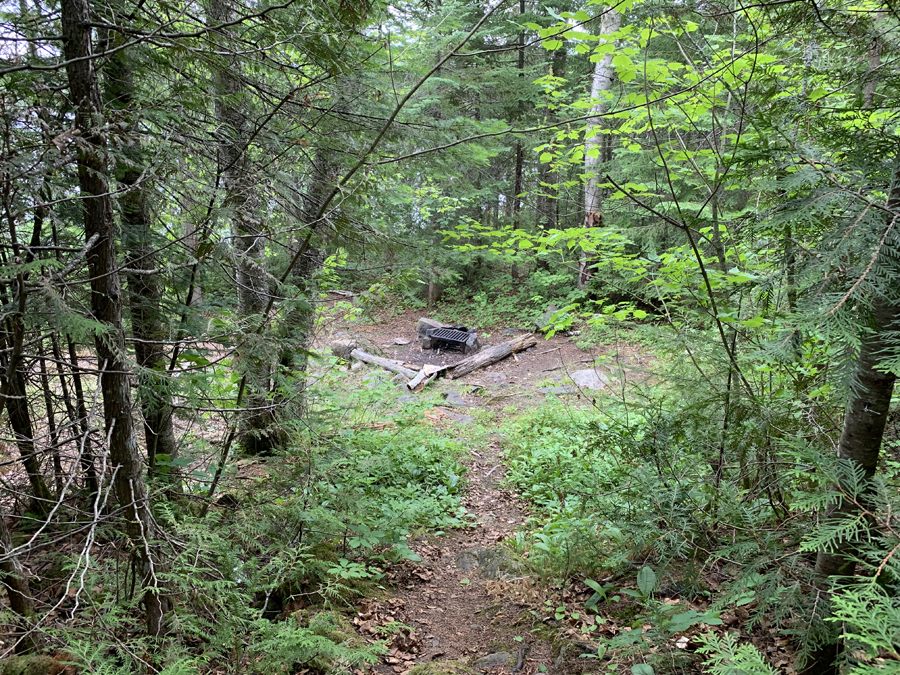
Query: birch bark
x=604, y=77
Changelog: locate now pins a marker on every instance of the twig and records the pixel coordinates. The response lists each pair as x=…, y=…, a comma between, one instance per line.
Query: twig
x=885, y=561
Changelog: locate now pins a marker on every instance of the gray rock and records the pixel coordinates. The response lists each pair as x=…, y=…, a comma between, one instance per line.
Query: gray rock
x=356, y=365
x=424, y=325
x=589, y=379
x=401, y=341
x=494, y=378
x=467, y=561
x=496, y=659
x=407, y=398
x=559, y=390
x=453, y=398
x=457, y=417
x=543, y=321
x=509, y=331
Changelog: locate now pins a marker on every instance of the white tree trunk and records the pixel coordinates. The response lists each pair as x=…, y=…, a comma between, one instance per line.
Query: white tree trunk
x=604, y=76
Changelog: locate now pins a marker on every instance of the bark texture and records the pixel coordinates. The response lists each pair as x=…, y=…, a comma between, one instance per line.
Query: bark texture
x=604, y=76
x=144, y=294
x=298, y=322
x=106, y=305
x=16, y=584
x=491, y=355
x=863, y=428
x=258, y=431
x=862, y=431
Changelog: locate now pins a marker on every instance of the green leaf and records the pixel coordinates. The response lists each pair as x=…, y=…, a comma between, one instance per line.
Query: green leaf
x=753, y=323
x=681, y=622
x=593, y=585
x=641, y=669
x=646, y=581
x=464, y=582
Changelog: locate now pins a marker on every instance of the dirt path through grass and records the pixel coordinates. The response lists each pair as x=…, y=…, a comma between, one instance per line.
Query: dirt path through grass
x=460, y=600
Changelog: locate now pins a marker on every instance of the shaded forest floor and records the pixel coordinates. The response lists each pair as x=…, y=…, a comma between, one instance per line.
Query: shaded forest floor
x=473, y=601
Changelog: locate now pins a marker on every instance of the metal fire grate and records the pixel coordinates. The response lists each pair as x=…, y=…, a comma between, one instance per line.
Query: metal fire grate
x=457, y=338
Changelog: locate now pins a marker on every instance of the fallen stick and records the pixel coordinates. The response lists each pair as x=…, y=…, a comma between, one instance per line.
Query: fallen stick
x=347, y=350
x=488, y=356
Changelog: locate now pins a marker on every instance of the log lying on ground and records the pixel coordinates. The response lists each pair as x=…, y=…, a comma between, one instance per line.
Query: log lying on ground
x=425, y=376
x=347, y=349
x=488, y=356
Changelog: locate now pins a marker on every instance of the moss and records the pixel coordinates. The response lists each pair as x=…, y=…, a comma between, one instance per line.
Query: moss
x=31, y=665
x=442, y=668
x=333, y=626
x=624, y=614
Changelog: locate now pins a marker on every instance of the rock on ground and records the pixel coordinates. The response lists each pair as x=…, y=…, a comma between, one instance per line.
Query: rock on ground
x=495, y=659
x=589, y=379
x=454, y=399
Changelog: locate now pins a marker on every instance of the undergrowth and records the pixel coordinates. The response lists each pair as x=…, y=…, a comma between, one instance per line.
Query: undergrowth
x=722, y=517
x=262, y=582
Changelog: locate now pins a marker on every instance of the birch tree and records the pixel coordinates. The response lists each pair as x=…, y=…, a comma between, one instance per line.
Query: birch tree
x=601, y=86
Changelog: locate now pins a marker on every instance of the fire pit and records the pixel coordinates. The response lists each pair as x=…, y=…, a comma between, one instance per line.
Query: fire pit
x=453, y=338
x=434, y=335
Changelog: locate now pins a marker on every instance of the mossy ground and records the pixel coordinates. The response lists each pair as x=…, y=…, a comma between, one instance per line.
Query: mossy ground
x=442, y=668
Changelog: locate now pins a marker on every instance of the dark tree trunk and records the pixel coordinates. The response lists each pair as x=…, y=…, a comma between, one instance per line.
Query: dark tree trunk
x=13, y=392
x=51, y=423
x=78, y=414
x=258, y=432
x=298, y=322
x=143, y=286
x=863, y=430
x=106, y=306
x=20, y=600
x=861, y=437
x=20, y=421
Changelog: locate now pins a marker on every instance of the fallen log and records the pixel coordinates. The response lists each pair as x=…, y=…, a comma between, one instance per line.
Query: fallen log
x=347, y=349
x=488, y=356
x=425, y=376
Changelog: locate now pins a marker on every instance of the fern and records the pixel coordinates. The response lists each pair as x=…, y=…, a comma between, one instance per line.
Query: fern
x=727, y=657
x=871, y=620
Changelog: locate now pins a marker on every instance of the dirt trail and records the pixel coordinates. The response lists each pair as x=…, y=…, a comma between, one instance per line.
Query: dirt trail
x=459, y=599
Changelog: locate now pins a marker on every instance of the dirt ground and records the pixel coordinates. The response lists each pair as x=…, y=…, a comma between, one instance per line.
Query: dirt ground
x=468, y=600
x=549, y=362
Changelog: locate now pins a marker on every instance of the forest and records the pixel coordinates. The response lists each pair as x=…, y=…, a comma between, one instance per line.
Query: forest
x=444, y=337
